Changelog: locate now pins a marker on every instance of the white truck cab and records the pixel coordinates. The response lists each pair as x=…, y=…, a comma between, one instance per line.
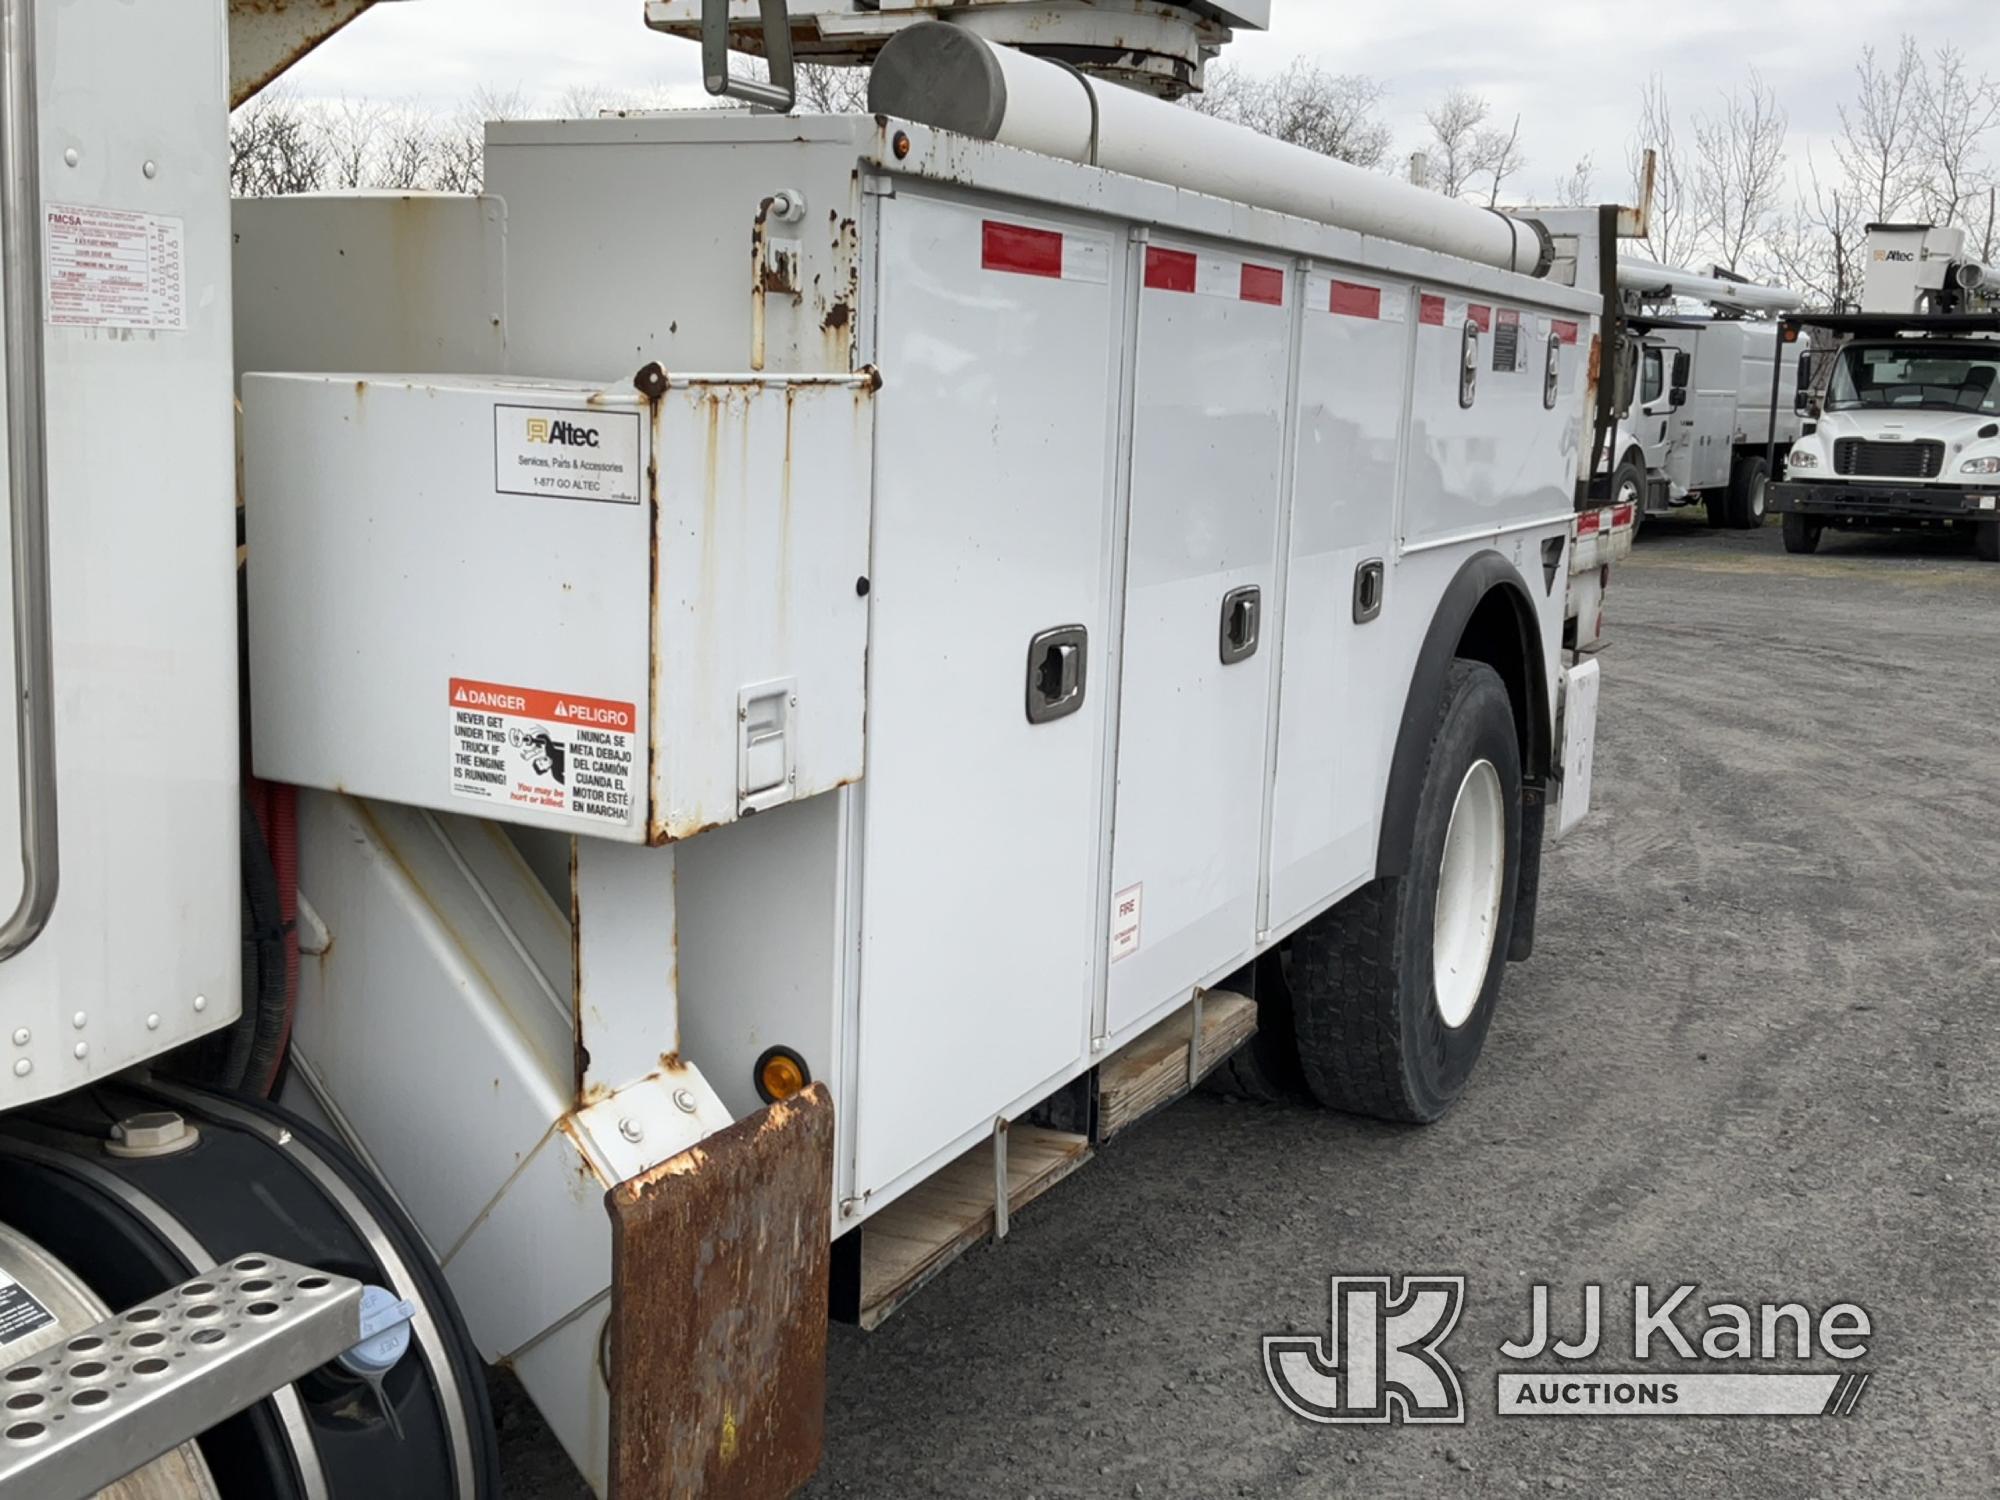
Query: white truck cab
x=1904, y=416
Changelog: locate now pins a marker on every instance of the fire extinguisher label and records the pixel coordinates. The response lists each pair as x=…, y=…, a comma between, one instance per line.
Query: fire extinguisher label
x=20, y=1313
x=554, y=752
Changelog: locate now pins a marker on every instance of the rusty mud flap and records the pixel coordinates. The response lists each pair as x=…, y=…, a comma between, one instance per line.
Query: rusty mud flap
x=718, y=1311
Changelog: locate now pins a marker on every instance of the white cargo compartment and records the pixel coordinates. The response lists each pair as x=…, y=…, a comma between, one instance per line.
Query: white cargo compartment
x=556, y=604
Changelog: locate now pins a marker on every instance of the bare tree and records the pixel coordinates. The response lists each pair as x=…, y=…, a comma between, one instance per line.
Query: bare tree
x=1334, y=114
x=275, y=147
x=1454, y=153
x=459, y=146
x=1466, y=156
x=1819, y=250
x=1500, y=157
x=829, y=90
x=1578, y=186
x=1674, y=229
x=1955, y=114
x=1740, y=153
x=352, y=131
x=1878, y=142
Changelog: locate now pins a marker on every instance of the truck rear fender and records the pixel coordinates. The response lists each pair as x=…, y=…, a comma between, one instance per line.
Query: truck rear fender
x=1486, y=615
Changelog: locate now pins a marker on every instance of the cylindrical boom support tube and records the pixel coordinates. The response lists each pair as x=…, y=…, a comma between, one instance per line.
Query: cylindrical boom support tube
x=943, y=75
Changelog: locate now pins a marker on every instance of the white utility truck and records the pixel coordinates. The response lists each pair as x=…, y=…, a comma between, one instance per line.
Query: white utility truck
x=801, y=674
x=1700, y=354
x=1903, y=429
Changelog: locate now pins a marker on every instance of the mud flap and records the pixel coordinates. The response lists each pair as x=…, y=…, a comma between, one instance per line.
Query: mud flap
x=719, y=1308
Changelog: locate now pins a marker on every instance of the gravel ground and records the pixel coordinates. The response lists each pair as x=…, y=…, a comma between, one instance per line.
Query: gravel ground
x=1756, y=1050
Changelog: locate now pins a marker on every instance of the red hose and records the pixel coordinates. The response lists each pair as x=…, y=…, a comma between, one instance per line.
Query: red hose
x=281, y=830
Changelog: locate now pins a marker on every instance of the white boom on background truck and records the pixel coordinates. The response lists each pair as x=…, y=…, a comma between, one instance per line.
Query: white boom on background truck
x=1696, y=392
x=1903, y=429
x=826, y=663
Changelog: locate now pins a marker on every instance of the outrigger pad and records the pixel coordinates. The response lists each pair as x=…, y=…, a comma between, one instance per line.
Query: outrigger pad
x=718, y=1311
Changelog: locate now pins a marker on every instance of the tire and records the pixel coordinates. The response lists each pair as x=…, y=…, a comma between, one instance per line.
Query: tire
x=1628, y=486
x=1717, y=506
x=1986, y=540
x=1377, y=1032
x=1749, y=482
x=1801, y=535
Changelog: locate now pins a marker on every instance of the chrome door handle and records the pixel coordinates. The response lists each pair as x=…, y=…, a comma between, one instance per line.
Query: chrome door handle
x=1242, y=624
x=1058, y=667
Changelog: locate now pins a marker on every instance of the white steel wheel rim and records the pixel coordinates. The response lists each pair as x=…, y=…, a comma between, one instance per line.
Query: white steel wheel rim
x=1470, y=878
x=1628, y=494
x=1758, y=497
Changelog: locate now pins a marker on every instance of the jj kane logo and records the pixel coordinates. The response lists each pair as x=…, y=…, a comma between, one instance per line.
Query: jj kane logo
x=564, y=434
x=1381, y=1363
x=1382, y=1359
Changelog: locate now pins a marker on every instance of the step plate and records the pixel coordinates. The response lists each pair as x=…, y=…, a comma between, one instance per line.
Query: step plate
x=83, y=1414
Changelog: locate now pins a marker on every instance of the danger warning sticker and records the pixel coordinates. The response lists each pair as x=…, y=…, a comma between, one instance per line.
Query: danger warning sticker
x=554, y=752
x=20, y=1313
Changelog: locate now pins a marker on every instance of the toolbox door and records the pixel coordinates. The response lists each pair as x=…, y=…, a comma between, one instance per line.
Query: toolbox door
x=1199, y=646
x=1339, y=707
x=998, y=341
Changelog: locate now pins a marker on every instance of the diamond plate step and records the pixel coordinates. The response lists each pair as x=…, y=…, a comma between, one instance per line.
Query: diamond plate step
x=83, y=1414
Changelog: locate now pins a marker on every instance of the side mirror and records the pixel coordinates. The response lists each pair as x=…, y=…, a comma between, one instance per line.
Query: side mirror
x=1677, y=397
x=1802, y=403
x=1683, y=365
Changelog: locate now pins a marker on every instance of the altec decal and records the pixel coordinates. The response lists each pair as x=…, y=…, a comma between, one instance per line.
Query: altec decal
x=553, y=752
x=1054, y=254
x=568, y=434
x=1214, y=276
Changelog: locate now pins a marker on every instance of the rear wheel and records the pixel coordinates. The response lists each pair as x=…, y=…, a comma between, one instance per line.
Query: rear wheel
x=1749, y=484
x=1986, y=540
x=1393, y=990
x=1801, y=535
x=1628, y=487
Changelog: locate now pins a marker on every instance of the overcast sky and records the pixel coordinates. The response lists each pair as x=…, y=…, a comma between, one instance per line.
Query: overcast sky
x=1570, y=68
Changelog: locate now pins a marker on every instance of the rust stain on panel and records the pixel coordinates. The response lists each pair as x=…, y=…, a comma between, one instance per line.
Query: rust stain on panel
x=718, y=1311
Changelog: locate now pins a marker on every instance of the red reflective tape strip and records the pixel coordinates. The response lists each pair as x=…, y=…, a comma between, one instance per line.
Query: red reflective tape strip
x=1588, y=522
x=1355, y=301
x=1021, y=250
x=1567, y=332
x=1510, y=315
x=1623, y=515
x=1263, y=284
x=1171, y=270
x=1481, y=316
x=1432, y=311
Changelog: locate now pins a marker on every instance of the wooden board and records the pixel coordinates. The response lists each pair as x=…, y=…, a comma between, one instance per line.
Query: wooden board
x=930, y=1226
x=1152, y=1071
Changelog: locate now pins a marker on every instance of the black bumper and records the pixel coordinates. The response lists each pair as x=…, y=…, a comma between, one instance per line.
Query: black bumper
x=1835, y=501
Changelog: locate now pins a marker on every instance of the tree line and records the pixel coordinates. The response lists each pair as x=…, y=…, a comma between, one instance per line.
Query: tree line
x=1917, y=139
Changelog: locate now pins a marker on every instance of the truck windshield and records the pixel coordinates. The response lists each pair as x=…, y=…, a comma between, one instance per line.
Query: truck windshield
x=1943, y=379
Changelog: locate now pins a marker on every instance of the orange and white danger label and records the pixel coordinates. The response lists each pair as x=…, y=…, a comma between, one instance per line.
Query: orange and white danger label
x=555, y=752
